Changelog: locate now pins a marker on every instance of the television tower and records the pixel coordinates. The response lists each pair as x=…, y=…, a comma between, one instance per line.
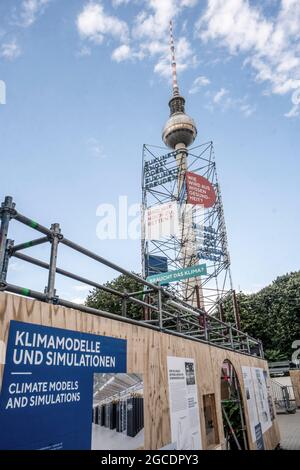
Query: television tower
x=184, y=180
x=179, y=133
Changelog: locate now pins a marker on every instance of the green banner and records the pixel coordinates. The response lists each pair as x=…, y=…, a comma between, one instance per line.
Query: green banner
x=178, y=275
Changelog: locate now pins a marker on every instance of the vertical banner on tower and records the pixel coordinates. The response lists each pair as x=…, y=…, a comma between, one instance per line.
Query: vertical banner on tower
x=199, y=190
x=184, y=408
x=47, y=390
x=161, y=221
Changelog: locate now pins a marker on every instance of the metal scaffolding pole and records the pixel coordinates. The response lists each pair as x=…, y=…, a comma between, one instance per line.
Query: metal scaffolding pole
x=31, y=243
x=55, y=238
x=65, y=273
x=191, y=322
x=32, y=224
x=7, y=209
x=104, y=261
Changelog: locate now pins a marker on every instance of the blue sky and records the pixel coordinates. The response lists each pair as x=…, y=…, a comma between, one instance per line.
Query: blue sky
x=87, y=83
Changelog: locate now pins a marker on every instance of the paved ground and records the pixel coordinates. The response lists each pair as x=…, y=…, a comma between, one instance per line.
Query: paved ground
x=289, y=426
x=104, y=438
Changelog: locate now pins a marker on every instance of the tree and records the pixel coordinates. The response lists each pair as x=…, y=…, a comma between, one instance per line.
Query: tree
x=111, y=303
x=272, y=315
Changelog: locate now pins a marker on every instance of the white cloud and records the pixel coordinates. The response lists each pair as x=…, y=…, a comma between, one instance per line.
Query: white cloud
x=31, y=9
x=94, y=24
x=148, y=37
x=81, y=288
x=224, y=101
x=247, y=109
x=84, y=51
x=10, y=50
x=185, y=57
x=153, y=22
x=117, y=3
x=121, y=53
x=125, y=52
x=219, y=96
x=95, y=148
x=271, y=45
x=199, y=83
x=24, y=16
x=151, y=28
x=294, y=112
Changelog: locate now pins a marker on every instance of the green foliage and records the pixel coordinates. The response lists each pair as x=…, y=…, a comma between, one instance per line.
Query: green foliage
x=110, y=303
x=233, y=413
x=272, y=315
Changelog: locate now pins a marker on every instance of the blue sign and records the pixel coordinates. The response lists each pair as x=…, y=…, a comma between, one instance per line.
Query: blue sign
x=259, y=437
x=156, y=264
x=47, y=390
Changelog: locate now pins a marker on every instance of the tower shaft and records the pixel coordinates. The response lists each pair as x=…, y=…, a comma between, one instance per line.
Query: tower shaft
x=174, y=70
x=192, y=289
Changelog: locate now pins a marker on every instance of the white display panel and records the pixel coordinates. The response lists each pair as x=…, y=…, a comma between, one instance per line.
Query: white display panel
x=251, y=402
x=261, y=394
x=257, y=399
x=184, y=408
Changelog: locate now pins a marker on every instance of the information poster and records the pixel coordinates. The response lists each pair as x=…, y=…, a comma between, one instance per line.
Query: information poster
x=46, y=399
x=270, y=400
x=251, y=402
x=184, y=408
x=258, y=401
x=261, y=394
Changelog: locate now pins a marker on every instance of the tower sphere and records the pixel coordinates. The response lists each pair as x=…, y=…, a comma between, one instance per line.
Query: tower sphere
x=179, y=128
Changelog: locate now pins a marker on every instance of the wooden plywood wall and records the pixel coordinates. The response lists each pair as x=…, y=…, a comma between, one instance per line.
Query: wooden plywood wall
x=295, y=378
x=147, y=352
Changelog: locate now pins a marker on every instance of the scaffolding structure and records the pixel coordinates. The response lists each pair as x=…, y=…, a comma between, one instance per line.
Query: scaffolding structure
x=165, y=311
x=207, y=238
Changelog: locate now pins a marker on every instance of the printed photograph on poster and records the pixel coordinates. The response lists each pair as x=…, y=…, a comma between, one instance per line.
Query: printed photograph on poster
x=118, y=412
x=190, y=373
x=184, y=408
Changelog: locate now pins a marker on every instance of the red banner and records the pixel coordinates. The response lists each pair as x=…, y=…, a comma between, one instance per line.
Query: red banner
x=199, y=190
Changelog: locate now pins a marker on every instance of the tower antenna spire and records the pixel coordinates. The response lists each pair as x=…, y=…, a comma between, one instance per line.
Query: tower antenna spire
x=173, y=59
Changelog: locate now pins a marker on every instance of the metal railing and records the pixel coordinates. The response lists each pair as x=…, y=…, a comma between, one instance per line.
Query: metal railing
x=283, y=396
x=156, y=308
